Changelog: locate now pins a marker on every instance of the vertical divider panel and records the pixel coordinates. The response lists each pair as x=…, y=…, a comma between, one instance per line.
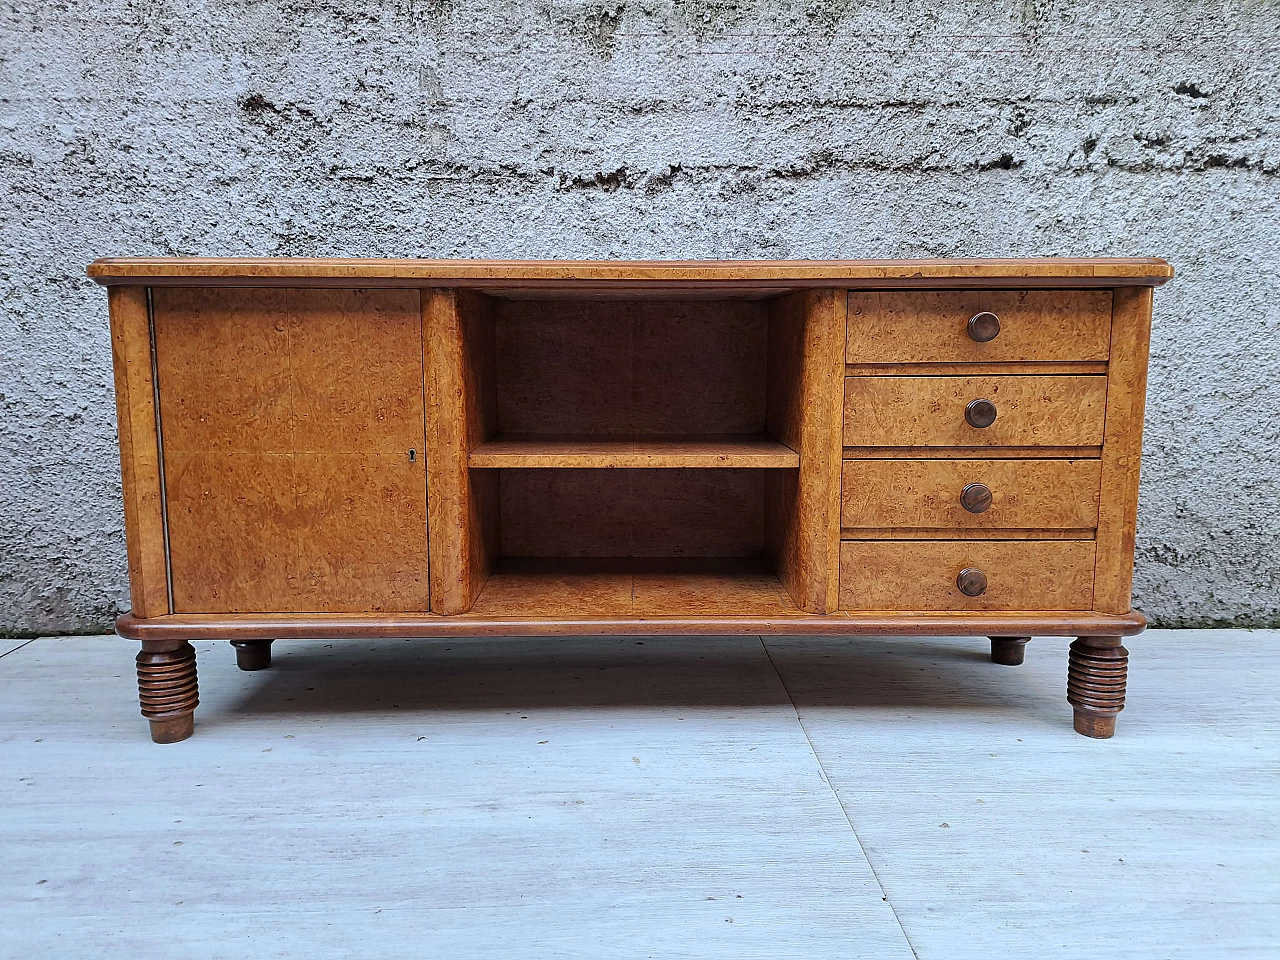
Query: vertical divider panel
x=139, y=450
x=804, y=410
x=462, y=504
x=1122, y=448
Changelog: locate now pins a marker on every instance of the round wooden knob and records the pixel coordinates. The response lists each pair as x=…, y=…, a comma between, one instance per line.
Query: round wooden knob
x=976, y=497
x=972, y=582
x=984, y=327
x=980, y=413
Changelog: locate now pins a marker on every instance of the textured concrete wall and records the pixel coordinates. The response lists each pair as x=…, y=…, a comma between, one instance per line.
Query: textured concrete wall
x=660, y=128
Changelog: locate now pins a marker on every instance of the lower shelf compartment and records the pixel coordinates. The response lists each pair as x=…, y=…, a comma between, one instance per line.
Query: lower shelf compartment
x=632, y=588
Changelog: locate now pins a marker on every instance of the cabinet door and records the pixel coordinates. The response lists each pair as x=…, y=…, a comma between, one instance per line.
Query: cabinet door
x=292, y=425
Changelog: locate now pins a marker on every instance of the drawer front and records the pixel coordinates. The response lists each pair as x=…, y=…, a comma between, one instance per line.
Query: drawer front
x=997, y=494
x=922, y=574
x=934, y=326
x=933, y=411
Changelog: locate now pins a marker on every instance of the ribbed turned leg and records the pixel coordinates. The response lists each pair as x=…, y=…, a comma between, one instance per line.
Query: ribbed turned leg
x=1009, y=651
x=252, y=654
x=167, y=688
x=1096, y=676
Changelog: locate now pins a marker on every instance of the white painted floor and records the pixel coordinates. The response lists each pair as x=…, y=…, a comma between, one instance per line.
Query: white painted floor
x=663, y=797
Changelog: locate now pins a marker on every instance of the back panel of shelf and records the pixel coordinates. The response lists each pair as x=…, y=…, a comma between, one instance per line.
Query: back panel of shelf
x=627, y=368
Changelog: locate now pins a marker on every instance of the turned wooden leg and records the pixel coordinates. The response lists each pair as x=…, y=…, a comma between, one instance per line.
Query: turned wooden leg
x=1009, y=651
x=1096, y=675
x=252, y=654
x=167, y=688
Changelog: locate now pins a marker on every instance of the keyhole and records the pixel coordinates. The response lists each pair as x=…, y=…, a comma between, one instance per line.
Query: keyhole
x=413, y=455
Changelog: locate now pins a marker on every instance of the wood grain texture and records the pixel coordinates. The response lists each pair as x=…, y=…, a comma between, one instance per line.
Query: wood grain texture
x=289, y=416
x=1122, y=449
x=633, y=589
x=304, y=532
x=972, y=453
x=624, y=369
x=925, y=326
x=283, y=451
x=569, y=621
x=925, y=494
x=921, y=575
x=632, y=513
x=458, y=346
x=1097, y=673
x=802, y=529
x=578, y=274
x=595, y=452
x=976, y=368
x=140, y=473
x=930, y=411
x=168, y=691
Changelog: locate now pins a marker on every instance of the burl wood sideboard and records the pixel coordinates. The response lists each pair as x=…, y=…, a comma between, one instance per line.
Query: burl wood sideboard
x=419, y=448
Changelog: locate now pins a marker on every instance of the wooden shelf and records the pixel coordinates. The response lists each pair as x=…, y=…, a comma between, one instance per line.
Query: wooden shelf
x=542, y=452
x=636, y=588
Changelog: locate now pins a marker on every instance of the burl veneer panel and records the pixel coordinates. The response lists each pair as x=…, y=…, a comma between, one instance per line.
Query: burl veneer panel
x=139, y=451
x=921, y=574
x=511, y=277
x=1122, y=453
x=565, y=589
x=803, y=410
x=460, y=391
x=630, y=367
x=288, y=417
x=927, y=326
x=1061, y=411
x=925, y=495
x=733, y=451
x=632, y=513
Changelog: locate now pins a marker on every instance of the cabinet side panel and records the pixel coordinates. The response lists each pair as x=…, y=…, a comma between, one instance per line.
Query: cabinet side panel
x=1122, y=448
x=803, y=410
x=461, y=414
x=139, y=451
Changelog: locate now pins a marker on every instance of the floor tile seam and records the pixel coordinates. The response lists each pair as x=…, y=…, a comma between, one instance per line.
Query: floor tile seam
x=17, y=648
x=840, y=802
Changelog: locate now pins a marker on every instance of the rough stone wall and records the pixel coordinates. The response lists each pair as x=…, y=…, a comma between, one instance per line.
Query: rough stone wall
x=659, y=128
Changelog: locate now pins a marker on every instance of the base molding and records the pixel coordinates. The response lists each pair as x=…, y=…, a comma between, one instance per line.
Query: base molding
x=324, y=626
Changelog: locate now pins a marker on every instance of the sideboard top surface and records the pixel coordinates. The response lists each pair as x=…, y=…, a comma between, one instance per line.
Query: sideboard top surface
x=766, y=277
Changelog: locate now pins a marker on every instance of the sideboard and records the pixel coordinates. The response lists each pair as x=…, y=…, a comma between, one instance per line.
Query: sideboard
x=330, y=448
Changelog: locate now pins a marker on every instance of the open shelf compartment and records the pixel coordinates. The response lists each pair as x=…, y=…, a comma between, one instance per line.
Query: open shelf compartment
x=625, y=588
x=637, y=458
x=637, y=542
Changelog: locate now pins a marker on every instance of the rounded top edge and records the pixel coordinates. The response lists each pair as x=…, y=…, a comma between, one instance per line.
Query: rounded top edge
x=1150, y=271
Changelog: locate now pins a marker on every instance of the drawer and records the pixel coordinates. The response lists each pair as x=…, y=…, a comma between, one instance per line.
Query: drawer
x=925, y=326
x=1000, y=494
x=1033, y=411
x=921, y=574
